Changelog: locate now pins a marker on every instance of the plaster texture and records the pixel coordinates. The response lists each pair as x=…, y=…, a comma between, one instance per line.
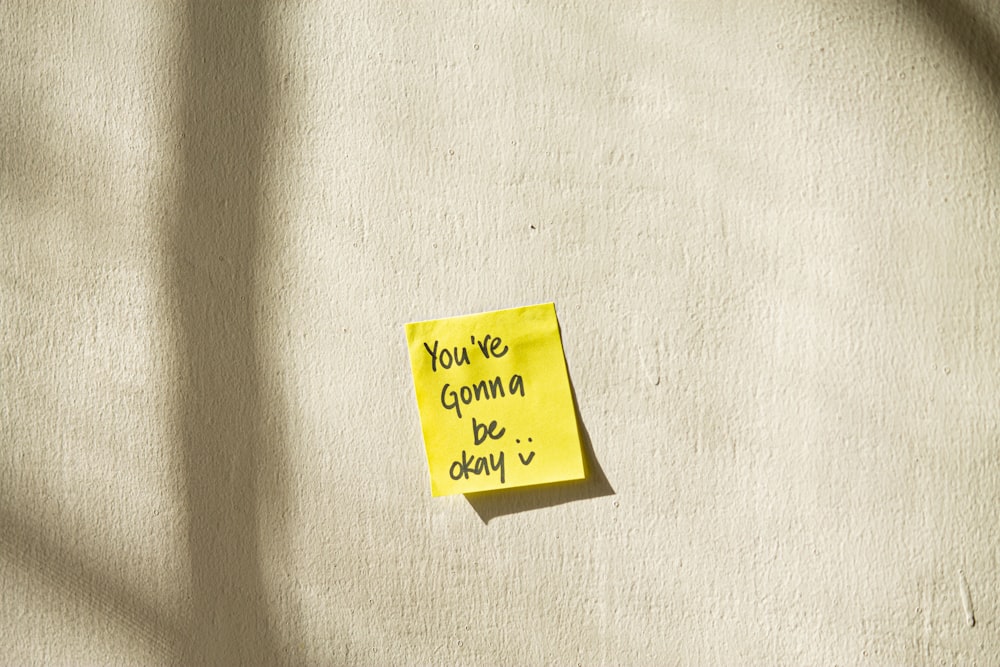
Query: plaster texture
x=771, y=233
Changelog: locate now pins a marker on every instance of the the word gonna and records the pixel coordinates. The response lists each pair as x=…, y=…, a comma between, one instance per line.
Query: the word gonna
x=454, y=399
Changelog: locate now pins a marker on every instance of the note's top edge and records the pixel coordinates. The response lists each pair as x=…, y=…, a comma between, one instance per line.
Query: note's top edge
x=418, y=323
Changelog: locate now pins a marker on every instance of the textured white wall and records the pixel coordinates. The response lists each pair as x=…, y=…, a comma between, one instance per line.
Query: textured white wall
x=771, y=233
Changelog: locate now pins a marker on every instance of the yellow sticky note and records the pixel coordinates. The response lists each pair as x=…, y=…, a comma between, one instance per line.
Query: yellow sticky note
x=494, y=400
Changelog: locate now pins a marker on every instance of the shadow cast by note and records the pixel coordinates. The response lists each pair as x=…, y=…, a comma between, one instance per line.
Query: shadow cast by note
x=492, y=504
x=969, y=32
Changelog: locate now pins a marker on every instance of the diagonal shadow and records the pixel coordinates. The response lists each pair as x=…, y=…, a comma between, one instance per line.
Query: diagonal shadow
x=215, y=251
x=50, y=561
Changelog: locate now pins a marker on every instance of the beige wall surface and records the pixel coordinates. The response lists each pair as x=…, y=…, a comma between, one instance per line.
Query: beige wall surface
x=771, y=233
